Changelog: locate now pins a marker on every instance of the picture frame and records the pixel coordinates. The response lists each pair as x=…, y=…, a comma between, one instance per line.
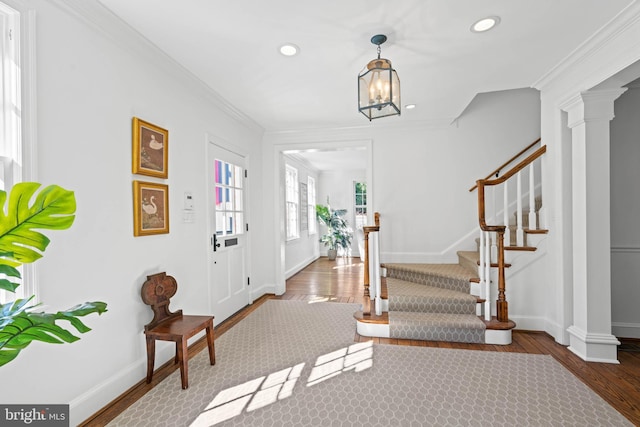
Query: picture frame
x=150, y=208
x=150, y=149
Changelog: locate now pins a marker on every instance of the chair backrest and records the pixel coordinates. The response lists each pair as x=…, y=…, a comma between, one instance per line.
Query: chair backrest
x=156, y=292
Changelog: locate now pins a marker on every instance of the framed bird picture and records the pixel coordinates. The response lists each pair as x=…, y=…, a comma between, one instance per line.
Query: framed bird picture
x=150, y=149
x=150, y=208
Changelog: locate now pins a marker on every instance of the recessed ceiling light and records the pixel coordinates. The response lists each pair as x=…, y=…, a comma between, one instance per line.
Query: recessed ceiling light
x=485, y=24
x=410, y=106
x=289, y=49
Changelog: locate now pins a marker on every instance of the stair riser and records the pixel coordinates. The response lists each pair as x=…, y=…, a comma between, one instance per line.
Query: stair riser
x=430, y=280
x=431, y=306
x=434, y=333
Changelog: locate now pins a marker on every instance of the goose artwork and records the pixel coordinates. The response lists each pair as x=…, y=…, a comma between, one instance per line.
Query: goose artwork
x=149, y=207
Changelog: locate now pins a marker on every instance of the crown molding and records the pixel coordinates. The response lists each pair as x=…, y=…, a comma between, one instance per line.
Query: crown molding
x=620, y=24
x=95, y=15
x=366, y=130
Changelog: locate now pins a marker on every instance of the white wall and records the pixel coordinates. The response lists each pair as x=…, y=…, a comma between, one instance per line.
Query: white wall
x=90, y=83
x=625, y=211
x=302, y=251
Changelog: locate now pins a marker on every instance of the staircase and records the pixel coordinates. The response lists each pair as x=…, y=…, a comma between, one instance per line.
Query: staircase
x=454, y=302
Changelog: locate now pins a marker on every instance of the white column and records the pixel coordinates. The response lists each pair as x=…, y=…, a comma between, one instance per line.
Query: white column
x=589, y=114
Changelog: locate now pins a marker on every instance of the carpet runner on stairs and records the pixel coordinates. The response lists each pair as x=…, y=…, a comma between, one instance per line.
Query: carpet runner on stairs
x=432, y=302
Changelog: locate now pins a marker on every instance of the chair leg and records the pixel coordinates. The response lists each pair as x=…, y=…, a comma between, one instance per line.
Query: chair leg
x=212, y=349
x=151, y=357
x=183, y=359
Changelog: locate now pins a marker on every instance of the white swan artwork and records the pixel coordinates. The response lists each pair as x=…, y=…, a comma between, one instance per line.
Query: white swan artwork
x=149, y=207
x=154, y=143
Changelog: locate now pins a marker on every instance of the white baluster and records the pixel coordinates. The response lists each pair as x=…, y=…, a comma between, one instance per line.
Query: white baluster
x=532, y=199
x=519, y=230
x=481, y=269
x=487, y=280
x=505, y=214
x=493, y=250
x=376, y=272
x=372, y=266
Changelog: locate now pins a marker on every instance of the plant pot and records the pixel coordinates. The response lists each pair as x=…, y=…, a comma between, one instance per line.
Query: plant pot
x=331, y=254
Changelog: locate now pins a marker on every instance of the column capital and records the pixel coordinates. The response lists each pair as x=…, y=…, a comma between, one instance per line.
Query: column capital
x=591, y=105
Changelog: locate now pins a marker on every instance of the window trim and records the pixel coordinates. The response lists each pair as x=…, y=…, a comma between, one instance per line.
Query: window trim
x=311, y=201
x=356, y=206
x=292, y=189
x=22, y=22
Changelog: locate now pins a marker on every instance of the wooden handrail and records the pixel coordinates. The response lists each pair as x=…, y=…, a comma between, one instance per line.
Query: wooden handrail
x=517, y=168
x=508, y=162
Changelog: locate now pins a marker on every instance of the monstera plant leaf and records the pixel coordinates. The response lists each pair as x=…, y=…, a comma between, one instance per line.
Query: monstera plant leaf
x=19, y=326
x=52, y=209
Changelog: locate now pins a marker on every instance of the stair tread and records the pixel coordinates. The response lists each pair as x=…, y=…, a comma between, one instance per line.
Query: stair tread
x=384, y=319
x=521, y=248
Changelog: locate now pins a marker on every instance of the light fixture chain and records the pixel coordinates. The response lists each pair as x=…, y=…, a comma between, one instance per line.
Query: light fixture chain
x=379, y=50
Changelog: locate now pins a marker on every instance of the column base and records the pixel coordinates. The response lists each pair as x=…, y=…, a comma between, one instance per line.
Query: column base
x=590, y=347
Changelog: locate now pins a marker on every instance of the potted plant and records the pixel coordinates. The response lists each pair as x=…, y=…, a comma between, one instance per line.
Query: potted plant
x=338, y=235
x=21, y=243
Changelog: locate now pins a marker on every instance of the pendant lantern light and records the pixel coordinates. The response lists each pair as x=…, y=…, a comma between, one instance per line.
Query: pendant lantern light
x=378, y=86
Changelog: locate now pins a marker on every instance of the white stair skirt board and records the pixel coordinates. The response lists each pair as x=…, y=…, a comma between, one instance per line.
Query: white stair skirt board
x=497, y=337
x=373, y=330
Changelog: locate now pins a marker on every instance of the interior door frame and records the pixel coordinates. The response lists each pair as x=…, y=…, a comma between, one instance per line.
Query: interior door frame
x=212, y=139
x=279, y=201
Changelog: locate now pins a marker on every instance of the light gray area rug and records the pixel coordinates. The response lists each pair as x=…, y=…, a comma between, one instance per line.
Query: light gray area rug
x=294, y=363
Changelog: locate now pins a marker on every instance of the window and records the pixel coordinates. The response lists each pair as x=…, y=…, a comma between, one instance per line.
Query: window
x=13, y=149
x=311, y=201
x=360, y=203
x=292, y=197
x=229, y=199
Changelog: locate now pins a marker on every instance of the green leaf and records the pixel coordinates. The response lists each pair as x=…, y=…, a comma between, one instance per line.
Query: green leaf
x=52, y=209
x=19, y=327
x=8, y=286
x=9, y=271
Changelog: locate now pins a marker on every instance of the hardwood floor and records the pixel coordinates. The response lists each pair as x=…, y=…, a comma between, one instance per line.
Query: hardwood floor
x=341, y=281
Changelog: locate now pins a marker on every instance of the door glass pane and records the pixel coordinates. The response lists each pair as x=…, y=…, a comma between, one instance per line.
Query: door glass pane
x=239, y=222
x=219, y=223
x=229, y=198
x=238, y=200
x=238, y=175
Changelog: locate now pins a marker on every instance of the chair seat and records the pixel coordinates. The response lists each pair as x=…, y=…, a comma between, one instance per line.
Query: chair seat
x=177, y=327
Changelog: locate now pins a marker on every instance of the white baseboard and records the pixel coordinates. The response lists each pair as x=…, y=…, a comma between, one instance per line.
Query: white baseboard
x=96, y=398
x=296, y=268
x=626, y=330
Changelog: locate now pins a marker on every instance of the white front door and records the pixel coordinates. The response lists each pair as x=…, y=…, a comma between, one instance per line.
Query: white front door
x=228, y=276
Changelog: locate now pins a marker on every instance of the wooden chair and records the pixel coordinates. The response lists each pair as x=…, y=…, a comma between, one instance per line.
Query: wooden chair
x=168, y=326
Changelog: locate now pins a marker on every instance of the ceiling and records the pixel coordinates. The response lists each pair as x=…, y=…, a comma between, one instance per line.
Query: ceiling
x=232, y=46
